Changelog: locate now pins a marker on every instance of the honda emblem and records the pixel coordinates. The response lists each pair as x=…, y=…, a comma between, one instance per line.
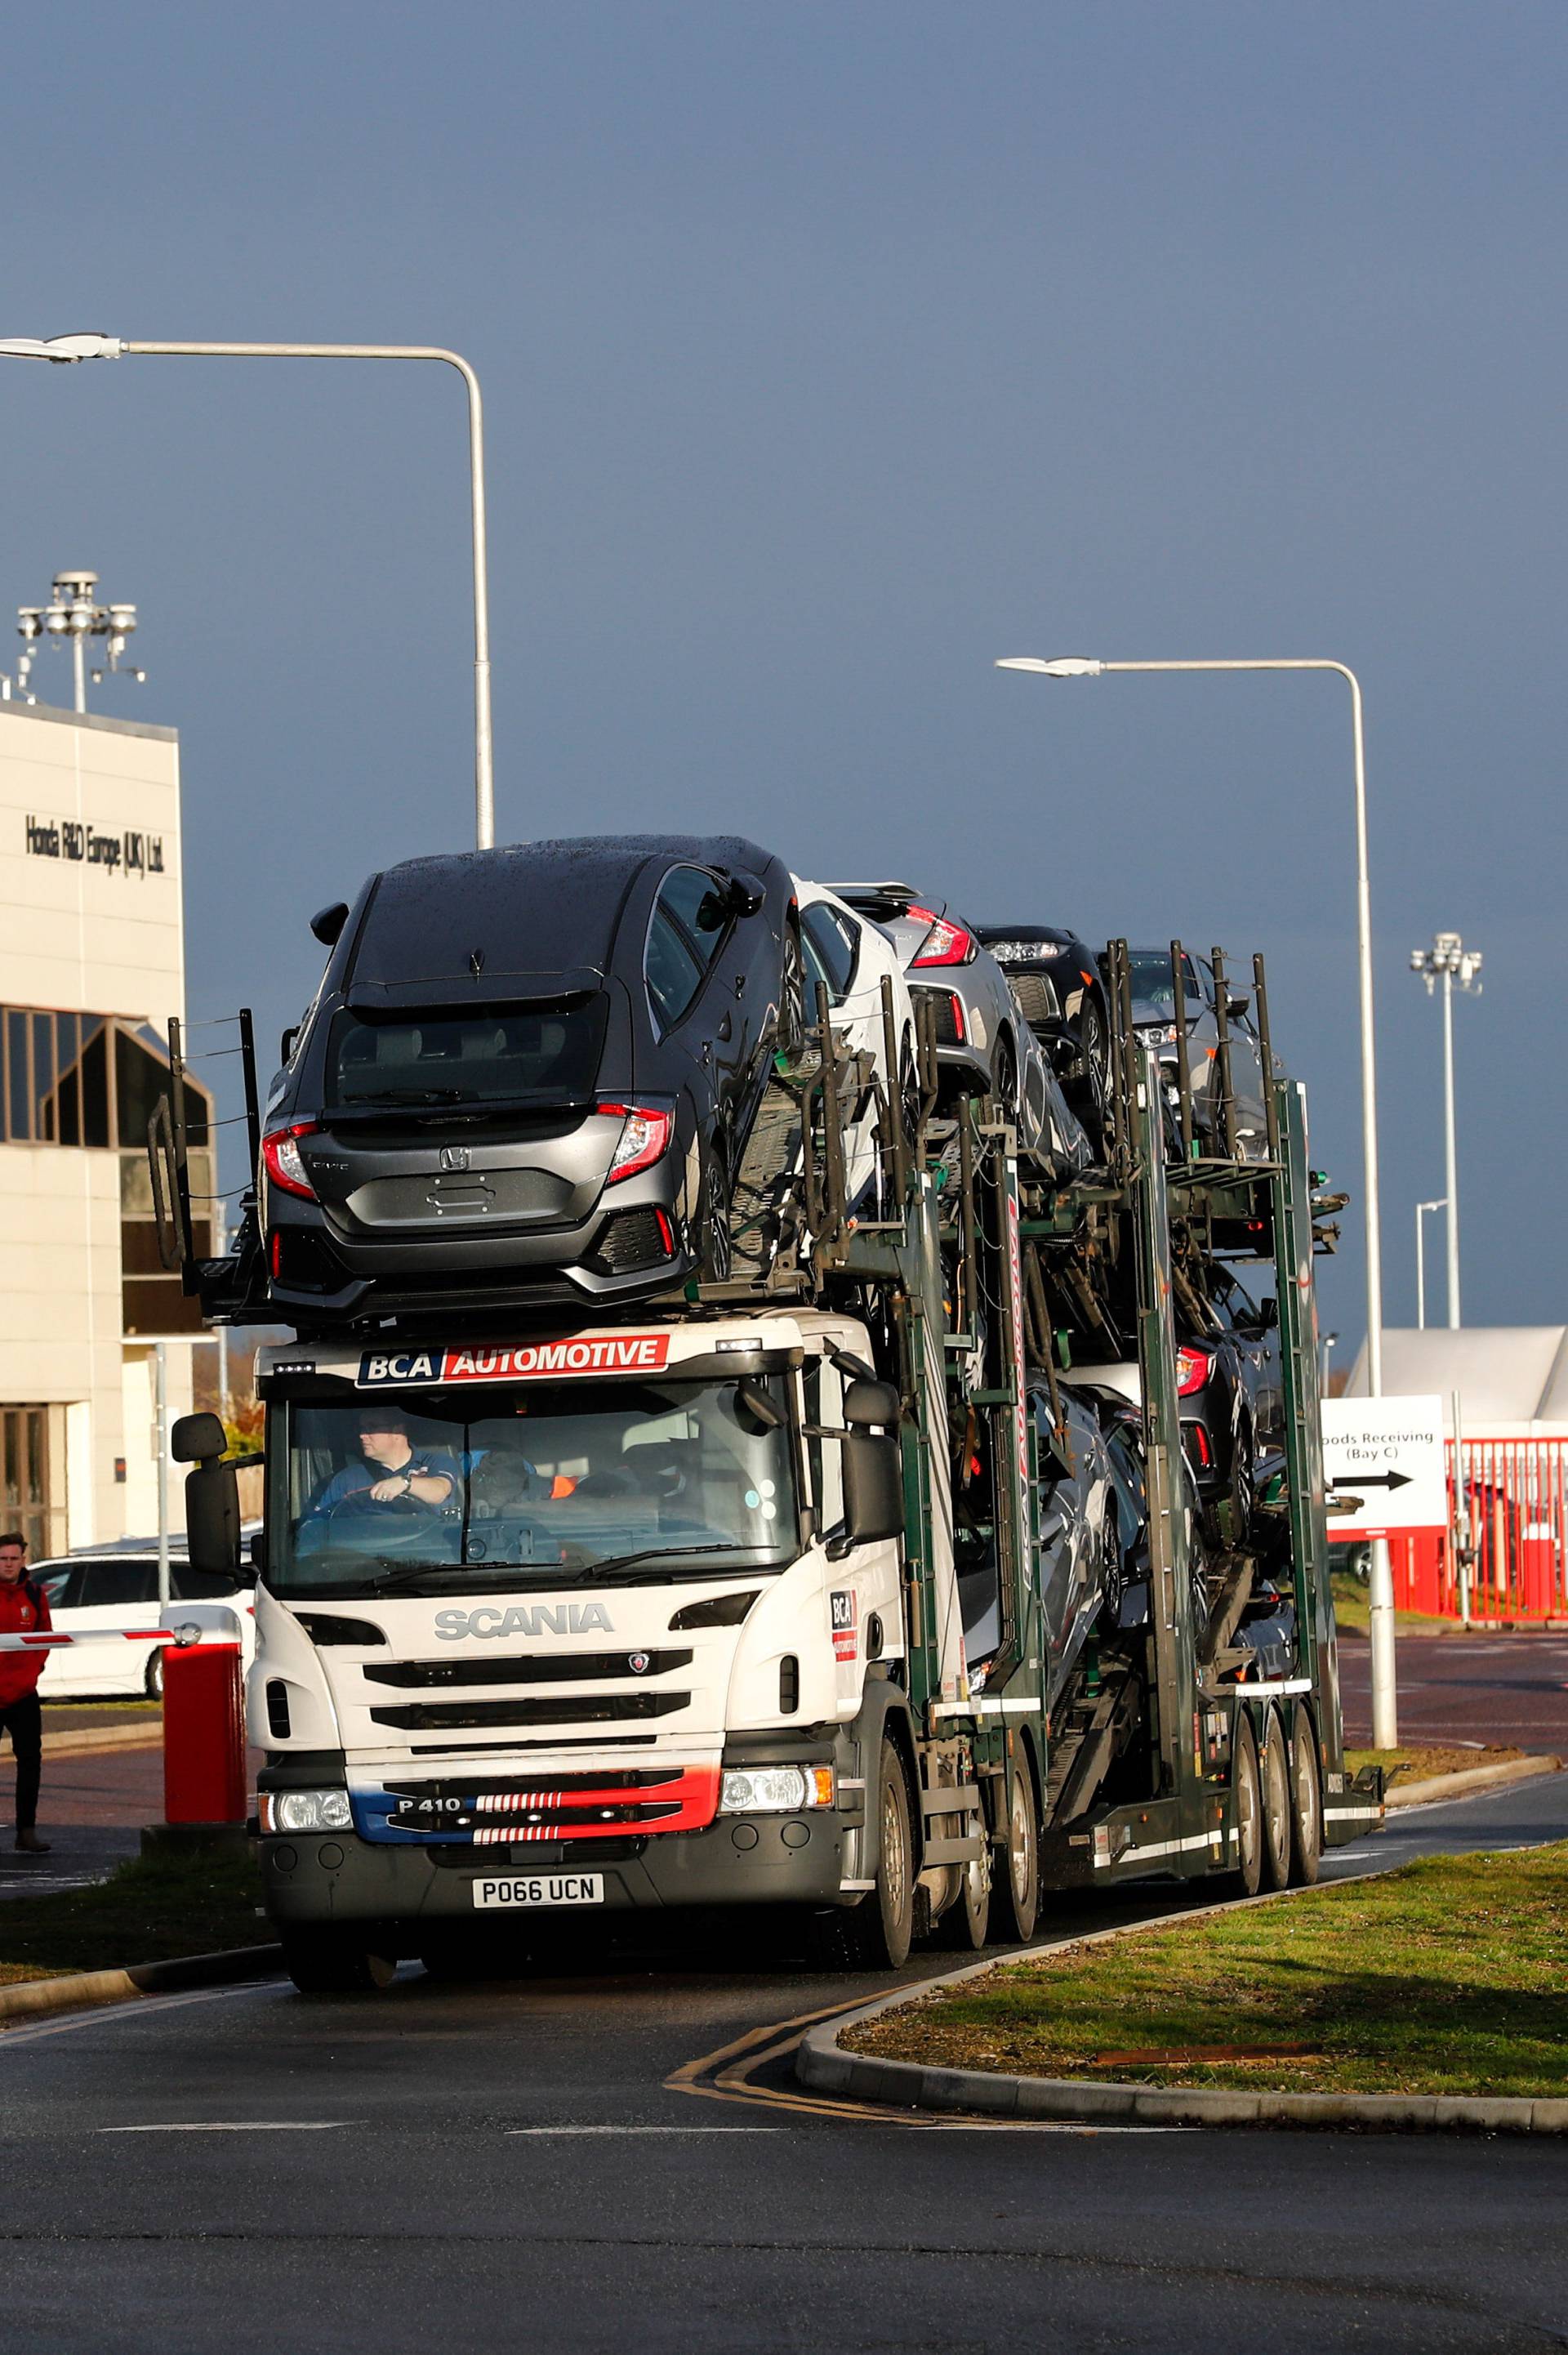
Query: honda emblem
x=454, y=1157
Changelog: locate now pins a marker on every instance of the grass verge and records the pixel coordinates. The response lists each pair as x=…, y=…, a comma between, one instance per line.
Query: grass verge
x=1442, y=1977
x=1419, y=1762
x=1352, y=1610
x=147, y=1911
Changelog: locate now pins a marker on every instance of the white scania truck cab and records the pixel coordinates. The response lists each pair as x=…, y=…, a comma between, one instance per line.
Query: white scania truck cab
x=603, y=1622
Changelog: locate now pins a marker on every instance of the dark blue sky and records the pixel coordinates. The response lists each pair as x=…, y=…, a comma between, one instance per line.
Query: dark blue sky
x=828, y=353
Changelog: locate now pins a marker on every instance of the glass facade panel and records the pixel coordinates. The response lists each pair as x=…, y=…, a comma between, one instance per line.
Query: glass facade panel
x=94, y=1081
x=68, y=1122
x=24, y=1459
x=18, y=1087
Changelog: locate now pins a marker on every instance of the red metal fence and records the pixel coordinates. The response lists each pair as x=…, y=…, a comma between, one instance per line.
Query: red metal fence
x=1517, y=1494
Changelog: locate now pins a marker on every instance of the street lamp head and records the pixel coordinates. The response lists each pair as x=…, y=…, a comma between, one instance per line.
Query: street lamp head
x=1063, y=666
x=62, y=348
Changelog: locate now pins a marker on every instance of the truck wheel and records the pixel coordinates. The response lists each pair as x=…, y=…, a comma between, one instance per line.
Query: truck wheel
x=1305, y=1803
x=964, y=1926
x=1247, y=1802
x=1276, y=1787
x=336, y=1962
x=1016, y=1893
x=875, y=1935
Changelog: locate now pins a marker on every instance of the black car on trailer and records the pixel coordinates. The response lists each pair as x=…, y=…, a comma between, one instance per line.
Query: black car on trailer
x=528, y=1071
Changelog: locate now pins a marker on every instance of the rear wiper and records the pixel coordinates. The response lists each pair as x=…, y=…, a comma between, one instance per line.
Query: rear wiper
x=392, y=1098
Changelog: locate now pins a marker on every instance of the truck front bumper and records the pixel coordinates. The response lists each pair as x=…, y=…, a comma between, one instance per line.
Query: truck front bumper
x=336, y=1877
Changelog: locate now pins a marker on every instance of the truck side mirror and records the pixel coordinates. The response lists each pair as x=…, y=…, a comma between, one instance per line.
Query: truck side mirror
x=873, y=1466
x=212, y=1493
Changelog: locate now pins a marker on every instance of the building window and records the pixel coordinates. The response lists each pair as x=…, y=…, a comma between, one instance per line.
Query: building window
x=24, y=1500
x=87, y=1080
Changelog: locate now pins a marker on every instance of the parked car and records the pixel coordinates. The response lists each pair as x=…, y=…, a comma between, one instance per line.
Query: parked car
x=982, y=1039
x=850, y=957
x=1233, y=1399
x=1057, y=980
x=119, y=1588
x=978, y=1019
x=544, y=1059
x=1122, y=1420
x=1079, y=1545
x=1154, y=1022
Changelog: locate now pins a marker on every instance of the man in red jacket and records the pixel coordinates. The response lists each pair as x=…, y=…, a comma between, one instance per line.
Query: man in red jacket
x=23, y=1609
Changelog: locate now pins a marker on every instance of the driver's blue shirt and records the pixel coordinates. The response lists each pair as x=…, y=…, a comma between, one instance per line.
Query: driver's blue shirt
x=432, y=1464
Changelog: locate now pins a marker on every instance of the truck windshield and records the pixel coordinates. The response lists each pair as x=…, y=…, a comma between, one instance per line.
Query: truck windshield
x=556, y=1484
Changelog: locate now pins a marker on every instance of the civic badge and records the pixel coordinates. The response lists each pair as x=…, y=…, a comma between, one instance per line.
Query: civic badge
x=454, y=1157
x=638, y=1663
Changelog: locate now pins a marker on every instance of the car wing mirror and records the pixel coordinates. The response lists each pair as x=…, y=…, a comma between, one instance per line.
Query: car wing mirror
x=746, y=894
x=328, y=922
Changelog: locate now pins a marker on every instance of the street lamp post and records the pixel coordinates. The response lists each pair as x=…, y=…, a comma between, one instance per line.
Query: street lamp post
x=1449, y=961
x=1421, y=1210
x=68, y=348
x=1384, y=1705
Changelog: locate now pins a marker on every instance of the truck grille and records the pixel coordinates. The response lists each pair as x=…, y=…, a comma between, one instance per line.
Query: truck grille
x=600, y=1709
x=529, y=1811
x=532, y=1668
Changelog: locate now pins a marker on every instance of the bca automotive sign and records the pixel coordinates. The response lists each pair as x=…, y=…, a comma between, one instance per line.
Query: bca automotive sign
x=622, y=1353
x=1388, y=1452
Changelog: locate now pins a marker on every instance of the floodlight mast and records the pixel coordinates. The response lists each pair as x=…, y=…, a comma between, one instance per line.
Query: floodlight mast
x=1381, y=1615
x=65, y=349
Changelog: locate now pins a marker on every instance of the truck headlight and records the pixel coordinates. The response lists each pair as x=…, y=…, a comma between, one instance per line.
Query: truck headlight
x=775, y=1790
x=304, y=1811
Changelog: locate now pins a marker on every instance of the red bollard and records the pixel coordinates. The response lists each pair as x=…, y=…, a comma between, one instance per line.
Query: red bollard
x=204, y=1735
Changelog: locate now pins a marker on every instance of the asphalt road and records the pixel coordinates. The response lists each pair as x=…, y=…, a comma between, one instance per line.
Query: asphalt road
x=1484, y=1688
x=580, y=2162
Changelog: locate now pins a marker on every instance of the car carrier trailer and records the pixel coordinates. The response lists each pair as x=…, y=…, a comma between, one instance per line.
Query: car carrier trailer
x=736, y=1673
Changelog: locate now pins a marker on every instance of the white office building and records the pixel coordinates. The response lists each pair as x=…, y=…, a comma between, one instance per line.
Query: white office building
x=92, y=966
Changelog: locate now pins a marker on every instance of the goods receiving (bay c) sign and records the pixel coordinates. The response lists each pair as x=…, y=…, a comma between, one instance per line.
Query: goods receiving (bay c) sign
x=1389, y=1452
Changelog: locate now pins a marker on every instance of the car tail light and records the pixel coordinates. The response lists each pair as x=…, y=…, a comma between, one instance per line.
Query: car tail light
x=281, y=1153
x=1192, y=1369
x=945, y=943
x=643, y=1137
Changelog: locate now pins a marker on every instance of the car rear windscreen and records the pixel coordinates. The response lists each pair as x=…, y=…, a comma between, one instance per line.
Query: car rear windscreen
x=517, y=1054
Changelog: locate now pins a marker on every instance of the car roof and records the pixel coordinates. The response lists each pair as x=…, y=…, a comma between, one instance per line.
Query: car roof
x=535, y=909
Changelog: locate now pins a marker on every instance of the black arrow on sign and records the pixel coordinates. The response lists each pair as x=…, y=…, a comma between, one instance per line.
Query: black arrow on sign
x=1374, y=1480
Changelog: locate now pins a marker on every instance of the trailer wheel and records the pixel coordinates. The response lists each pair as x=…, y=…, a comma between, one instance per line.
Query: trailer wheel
x=1276, y=1809
x=1305, y=1803
x=336, y=1962
x=1016, y=1893
x=875, y=1935
x=967, y=1922
x=1247, y=1799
